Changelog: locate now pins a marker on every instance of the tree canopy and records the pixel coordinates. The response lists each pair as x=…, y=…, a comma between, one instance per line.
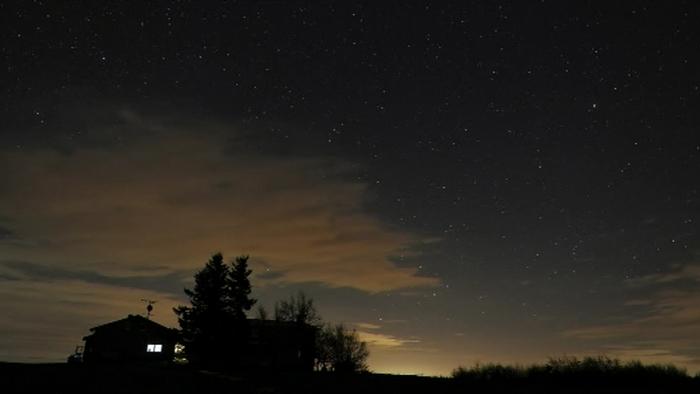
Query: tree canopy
x=337, y=348
x=299, y=309
x=340, y=350
x=215, y=323
x=239, y=289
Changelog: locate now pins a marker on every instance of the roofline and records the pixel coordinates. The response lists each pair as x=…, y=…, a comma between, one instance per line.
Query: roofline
x=127, y=318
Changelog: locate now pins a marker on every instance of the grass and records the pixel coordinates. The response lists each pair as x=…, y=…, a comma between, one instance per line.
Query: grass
x=588, y=373
x=573, y=367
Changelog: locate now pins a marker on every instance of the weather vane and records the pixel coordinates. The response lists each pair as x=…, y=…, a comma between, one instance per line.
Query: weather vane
x=149, y=307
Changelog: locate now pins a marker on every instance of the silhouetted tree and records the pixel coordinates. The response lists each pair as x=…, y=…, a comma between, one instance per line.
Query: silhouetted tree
x=336, y=348
x=239, y=289
x=214, y=326
x=299, y=309
x=340, y=350
x=262, y=313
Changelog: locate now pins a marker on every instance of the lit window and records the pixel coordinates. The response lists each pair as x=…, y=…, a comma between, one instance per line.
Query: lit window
x=154, y=348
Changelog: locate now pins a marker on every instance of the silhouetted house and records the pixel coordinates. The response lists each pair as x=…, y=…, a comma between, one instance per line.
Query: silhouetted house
x=137, y=340
x=133, y=339
x=281, y=345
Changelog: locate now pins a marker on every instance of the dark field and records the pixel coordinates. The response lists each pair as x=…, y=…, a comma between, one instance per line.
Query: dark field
x=64, y=378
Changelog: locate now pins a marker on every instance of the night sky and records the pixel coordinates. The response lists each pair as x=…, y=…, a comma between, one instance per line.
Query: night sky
x=494, y=181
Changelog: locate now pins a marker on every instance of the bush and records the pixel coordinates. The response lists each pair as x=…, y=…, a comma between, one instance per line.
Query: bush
x=340, y=350
x=587, y=369
x=490, y=372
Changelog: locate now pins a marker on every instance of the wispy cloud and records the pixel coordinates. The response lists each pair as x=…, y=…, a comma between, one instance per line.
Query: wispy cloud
x=171, y=282
x=684, y=272
x=135, y=212
x=385, y=340
x=667, y=329
x=172, y=196
x=371, y=333
x=367, y=326
x=651, y=355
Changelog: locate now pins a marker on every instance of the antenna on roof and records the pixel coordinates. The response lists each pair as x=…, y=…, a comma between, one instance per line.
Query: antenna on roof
x=149, y=307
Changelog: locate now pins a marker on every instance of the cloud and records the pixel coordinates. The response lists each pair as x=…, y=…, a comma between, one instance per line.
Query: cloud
x=133, y=212
x=367, y=326
x=369, y=332
x=23, y=270
x=667, y=329
x=651, y=355
x=169, y=196
x=686, y=272
x=383, y=340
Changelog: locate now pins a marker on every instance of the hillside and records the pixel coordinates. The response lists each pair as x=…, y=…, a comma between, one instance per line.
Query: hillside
x=76, y=379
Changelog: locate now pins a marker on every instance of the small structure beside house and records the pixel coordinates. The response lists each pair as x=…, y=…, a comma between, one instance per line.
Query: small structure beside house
x=280, y=345
x=134, y=339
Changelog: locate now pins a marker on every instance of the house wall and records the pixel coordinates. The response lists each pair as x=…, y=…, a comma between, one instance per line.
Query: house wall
x=116, y=347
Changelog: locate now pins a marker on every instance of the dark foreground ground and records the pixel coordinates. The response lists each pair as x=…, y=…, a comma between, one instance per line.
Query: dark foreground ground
x=64, y=378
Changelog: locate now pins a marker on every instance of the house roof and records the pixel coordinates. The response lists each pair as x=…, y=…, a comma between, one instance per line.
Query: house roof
x=129, y=322
x=138, y=323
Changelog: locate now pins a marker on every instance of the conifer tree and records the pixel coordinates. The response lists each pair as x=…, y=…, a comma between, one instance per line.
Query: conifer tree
x=239, y=289
x=213, y=327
